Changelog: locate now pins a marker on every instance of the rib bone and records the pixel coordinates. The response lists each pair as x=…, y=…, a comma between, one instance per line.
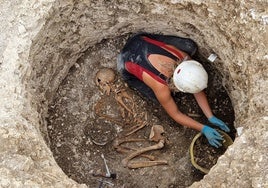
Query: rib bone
x=119, y=98
x=137, y=128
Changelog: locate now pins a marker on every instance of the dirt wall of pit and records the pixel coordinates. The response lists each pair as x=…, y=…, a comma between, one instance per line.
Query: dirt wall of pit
x=41, y=40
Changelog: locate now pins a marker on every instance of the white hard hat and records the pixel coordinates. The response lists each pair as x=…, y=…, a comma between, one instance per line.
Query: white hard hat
x=190, y=77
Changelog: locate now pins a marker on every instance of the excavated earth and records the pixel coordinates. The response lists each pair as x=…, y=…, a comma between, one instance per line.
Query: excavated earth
x=84, y=122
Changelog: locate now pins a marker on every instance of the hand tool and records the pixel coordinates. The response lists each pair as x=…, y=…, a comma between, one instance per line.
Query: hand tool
x=108, y=173
x=104, y=182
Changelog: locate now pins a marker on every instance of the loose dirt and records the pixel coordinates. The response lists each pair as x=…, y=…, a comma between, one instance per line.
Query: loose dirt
x=205, y=155
x=83, y=123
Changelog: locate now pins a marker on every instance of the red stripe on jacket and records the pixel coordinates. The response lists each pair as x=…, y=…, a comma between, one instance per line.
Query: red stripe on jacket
x=163, y=45
x=137, y=70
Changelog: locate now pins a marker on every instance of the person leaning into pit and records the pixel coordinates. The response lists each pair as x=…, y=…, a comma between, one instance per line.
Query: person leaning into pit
x=147, y=63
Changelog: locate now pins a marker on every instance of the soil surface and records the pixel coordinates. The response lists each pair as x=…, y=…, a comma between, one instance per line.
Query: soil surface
x=205, y=155
x=84, y=122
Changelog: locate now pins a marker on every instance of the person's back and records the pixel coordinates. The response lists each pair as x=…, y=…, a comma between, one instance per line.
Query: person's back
x=148, y=62
x=140, y=53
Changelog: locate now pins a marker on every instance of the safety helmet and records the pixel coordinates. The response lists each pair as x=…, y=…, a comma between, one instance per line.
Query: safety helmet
x=190, y=77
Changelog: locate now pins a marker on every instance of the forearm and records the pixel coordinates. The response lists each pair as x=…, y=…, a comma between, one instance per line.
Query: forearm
x=185, y=120
x=163, y=95
x=173, y=111
x=203, y=103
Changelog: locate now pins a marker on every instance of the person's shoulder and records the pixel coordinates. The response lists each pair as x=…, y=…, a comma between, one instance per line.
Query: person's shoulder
x=160, y=87
x=162, y=92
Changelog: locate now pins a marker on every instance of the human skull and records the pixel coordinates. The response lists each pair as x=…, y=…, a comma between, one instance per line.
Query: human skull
x=104, y=78
x=156, y=133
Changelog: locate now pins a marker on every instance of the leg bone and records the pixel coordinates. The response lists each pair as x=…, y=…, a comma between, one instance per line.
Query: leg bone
x=118, y=142
x=159, y=145
x=142, y=164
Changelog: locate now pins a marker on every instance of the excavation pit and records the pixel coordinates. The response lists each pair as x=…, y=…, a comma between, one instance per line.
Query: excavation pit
x=84, y=121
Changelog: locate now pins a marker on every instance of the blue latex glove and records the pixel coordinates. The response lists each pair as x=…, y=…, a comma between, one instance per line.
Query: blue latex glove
x=219, y=123
x=212, y=135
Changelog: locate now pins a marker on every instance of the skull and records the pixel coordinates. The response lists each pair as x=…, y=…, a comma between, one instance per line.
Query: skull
x=104, y=78
x=156, y=133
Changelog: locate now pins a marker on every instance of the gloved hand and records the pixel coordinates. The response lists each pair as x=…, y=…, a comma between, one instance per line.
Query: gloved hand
x=212, y=135
x=219, y=123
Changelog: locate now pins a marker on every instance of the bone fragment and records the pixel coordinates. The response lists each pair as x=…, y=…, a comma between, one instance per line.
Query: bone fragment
x=117, y=142
x=143, y=164
x=193, y=115
x=137, y=128
x=159, y=145
x=127, y=150
x=97, y=109
x=119, y=98
x=156, y=133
